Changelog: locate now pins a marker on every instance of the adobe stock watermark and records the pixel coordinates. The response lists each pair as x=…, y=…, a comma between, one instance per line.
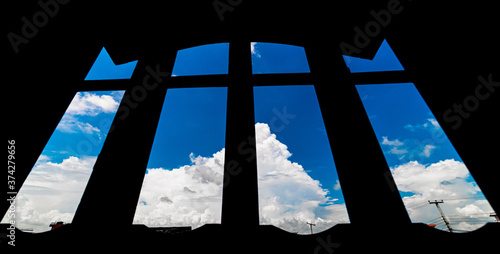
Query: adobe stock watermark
x=248, y=147
x=280, y=119
x=138, y=93
x=233, y=168
x=381, y=19
x=326, y=246
x=390, y=181
x=31, y=27
x=221, y=7
x=460, y=111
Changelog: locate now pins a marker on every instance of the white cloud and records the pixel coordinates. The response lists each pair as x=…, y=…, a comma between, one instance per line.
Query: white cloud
x=91, y=104
x=289, y=197
x=191, y=195
x=445, y=180
x=396, y=150
x=88, y=104
x=52, y=192
x=337, y=185
x=254, y=51
x=434, y=123
x=396, y=142
x=70, y=124
x=427, y=150
x=471, y=211
x=395, y=146
x=424, y=126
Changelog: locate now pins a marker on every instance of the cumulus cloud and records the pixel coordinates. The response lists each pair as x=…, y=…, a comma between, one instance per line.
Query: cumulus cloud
x=52, y=192
x=70, y=124
x=91, y=104
x=88, y=104
x=288, y=196
x=448, y=180
x=190, y=195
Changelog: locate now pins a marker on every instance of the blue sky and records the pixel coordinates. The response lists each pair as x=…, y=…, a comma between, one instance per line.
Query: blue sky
x=278, y=58
x=202, y=60
x=55, y=185
x=291, y=140
x=193, y=120
x=298, y=124
x=297, y=176
x=85, y=125
x=424, y=163
x=397, y=111
x=191, y=134
x=384, y=60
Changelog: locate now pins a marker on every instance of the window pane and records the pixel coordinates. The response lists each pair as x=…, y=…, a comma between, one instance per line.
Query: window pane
x=384, y=60
x=297, y=179
x=278, y=58
x=183, y=181
x=423, y=162
x=55, y=185
x=104, y=68
x=202, y=60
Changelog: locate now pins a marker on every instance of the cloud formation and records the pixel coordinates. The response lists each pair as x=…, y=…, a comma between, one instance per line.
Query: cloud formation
x=55, y=185
x=191, y=195
x=448, y=180
x=52, y=192
x=88, y=104
x=288, y=196
x=91, y=104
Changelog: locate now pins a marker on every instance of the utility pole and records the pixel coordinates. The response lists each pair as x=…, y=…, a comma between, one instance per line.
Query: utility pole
x=442, y=214
x=311, y=225
x=495, y=215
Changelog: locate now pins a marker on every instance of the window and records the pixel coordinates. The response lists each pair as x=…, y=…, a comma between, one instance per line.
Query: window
x=278, y=58
x=298, y=182
x=184, y=176
x=424, y=164
x=297, y=179
x=202, y=60
x=384, y=60
x=104, y=68
x=55, y=185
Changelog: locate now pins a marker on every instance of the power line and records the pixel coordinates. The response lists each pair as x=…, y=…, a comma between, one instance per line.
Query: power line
x=474, y=197
x=435, y=202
